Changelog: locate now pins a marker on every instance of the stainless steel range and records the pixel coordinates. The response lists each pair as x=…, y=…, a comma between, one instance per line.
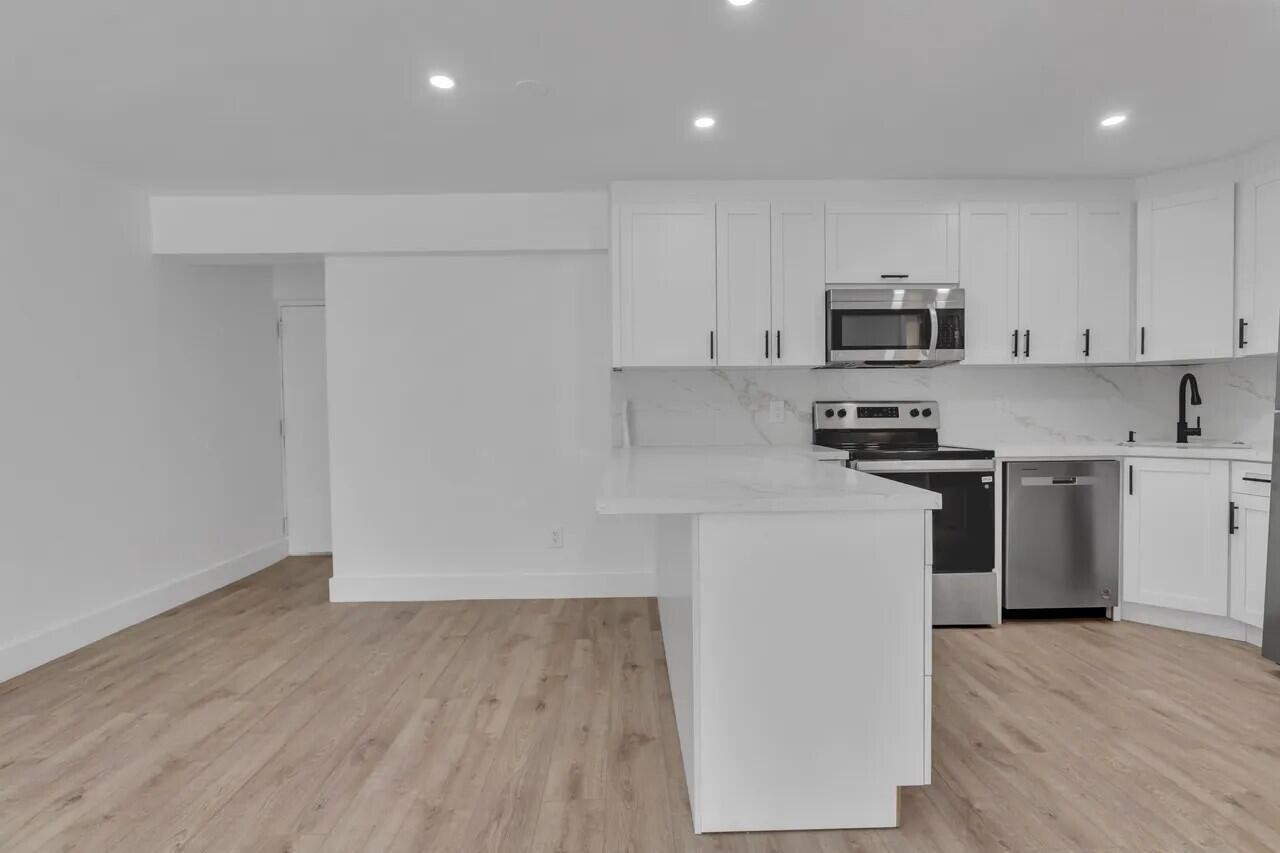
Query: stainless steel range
x=898, y=439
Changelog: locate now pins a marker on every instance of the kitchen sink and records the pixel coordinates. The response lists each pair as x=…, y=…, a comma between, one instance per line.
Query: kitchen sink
x=1190, y=445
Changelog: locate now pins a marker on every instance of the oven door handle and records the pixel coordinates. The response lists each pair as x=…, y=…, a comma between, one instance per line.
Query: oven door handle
x=933, y=337
x=923, y=466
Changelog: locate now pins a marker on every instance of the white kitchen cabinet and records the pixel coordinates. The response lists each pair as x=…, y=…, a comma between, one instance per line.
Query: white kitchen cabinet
x=1048, y=284
x=1258, y=278
x=798, y=284
x=1186, y=264
x=903, y=243
x=1175, y=534
x=1249, y=516
x=743, y=322
x=1106, y=282
x=665, y=292
x=989, y=276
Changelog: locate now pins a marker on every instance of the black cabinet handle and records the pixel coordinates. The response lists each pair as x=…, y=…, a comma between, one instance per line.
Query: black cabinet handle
x=712, y=337
x=1015, y=343
x=1231, y=518
x=1086, y=342
x=1255, y=480
x=1026, y=346
x=1142, y=341
x=777, y=351
x=895, y=275
x=766, y=344
x=1241, y=342
x=1130, y=479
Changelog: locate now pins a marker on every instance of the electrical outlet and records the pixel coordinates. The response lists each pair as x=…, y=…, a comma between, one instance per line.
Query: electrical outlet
x=557, y=537
x=777, y=411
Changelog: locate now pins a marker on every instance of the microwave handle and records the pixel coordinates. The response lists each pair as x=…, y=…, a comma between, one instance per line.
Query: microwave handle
x=933, y=338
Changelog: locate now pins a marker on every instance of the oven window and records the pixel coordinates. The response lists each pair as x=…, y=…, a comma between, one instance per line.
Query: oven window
x=881, y=330
x=964, y=530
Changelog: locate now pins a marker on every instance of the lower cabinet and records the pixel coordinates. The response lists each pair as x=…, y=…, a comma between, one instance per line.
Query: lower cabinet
x=1176, y=518
x=1248, y=557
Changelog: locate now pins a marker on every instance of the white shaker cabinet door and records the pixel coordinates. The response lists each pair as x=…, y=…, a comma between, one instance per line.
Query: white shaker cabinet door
x=799, y=284
x=1106, y=282
x=1258, y=279
x=1048, y=284
x=665, y=296
x=893, y=244
x=1175, y=534
x=989, y=276
x=1249, y=558
x=1186, y=275
x=743, y=285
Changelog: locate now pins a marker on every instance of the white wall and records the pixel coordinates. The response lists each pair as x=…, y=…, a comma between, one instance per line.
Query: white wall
x=469, y=417
x=139, y=460
x=299, y=282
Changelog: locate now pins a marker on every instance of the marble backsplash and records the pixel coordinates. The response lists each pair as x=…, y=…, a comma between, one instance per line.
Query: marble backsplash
x=982, y=406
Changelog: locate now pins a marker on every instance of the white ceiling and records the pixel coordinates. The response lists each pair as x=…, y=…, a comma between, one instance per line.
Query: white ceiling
x=328, y=95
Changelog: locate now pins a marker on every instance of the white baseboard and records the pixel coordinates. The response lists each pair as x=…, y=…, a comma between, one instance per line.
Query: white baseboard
x=1196, y=623
x=31, y=651
x=481, y=585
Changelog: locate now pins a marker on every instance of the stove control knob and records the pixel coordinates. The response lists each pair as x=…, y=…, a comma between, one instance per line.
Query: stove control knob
x=831, y=413
x=928, y=412
x=842, y=412
x=915, y=413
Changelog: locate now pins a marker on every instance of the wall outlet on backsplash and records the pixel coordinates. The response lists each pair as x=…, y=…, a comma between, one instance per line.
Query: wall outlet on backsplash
x=778, y=411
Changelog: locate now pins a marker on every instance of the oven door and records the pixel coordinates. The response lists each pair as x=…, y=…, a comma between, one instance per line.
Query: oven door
x=964, y=530
x=894, y=326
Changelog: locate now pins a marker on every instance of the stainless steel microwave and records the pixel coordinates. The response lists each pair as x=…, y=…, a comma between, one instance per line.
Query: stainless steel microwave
x=894, y=326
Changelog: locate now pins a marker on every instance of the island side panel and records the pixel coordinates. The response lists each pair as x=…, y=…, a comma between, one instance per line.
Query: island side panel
x=677, y=554
x=811, y=683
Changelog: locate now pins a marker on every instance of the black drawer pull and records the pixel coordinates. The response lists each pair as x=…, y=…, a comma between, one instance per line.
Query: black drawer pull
x=1241, y=342
x=1256, y=480
x=1231, y=518
x=894, y=275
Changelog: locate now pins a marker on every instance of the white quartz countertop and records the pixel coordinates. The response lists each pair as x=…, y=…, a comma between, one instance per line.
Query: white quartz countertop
x=1122, y=450
x=693, y=480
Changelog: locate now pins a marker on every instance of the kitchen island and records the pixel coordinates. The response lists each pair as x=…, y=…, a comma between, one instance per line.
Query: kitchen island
x=795, y=601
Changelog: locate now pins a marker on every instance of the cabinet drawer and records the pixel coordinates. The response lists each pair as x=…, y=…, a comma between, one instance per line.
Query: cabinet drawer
x=1251, y=478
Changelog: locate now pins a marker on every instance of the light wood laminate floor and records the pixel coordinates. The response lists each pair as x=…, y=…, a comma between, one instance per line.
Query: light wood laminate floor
x=263, y=718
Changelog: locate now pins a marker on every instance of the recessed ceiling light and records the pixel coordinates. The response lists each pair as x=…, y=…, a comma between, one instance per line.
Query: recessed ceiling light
x=740, y=2
x=1114, y=120
x=704, y=122
x=441, y=81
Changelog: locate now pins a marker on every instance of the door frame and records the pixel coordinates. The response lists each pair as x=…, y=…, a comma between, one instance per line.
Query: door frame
x=281, y=305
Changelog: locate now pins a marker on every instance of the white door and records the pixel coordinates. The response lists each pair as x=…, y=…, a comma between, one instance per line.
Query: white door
x=1175, y=534
x=1258, y=280
x=1249, y=558
x=799, y=285
x=893, y=243
x=306, y=429
x=989, y=276
x=1048, y=285
x=743, y=274
x=665, y=299
x=1186, y=276
x=1106, y=282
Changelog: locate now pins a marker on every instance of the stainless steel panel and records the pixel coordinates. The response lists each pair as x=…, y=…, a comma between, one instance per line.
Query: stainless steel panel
x=906, y=357
x=1271, y=609
x=966, y=598
x=1061, y=534
x=889, y=298
x=852, y=421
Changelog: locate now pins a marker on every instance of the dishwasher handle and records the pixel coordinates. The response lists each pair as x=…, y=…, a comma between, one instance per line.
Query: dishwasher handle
x=1074, y=480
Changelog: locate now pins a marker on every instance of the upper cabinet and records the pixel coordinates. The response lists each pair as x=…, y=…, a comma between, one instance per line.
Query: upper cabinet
x=798, y=285
x=1258, y=276
x=1046, y=283
x=902, y=243
x=665, y=285
x=1186, y=264
x=735, y=284
x=1106, y=282
x=743, y=285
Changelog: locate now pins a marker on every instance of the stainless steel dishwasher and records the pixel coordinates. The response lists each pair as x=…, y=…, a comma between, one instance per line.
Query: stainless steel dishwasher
x=1061, y=535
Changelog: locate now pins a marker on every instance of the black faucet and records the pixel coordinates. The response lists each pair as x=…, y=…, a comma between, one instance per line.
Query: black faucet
x=1183, y=429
